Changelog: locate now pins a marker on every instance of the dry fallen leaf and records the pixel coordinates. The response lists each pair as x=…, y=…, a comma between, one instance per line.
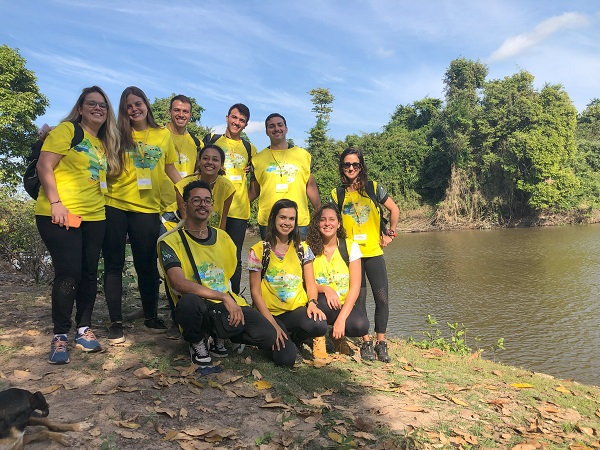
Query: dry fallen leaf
x=261, y=385
x=183, y=413
x=561, y=388
x=497, y=373
x=167, y=411
x=335, y=437
x=126, y=424
x=458, y=401
x=521, y=386
x=24, y=375
x=256, y=374
x=50, y=389
x=144, y=372
x=130, y=434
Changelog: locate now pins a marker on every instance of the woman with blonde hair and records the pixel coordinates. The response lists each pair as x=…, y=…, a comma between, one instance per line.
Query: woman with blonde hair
x=70, y=213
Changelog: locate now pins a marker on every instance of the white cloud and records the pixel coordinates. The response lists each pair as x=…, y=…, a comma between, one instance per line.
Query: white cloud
x=522, y=42
x=383, y=53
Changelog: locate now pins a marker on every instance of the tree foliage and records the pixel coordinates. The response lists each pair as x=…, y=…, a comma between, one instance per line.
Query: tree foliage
x=20, y=104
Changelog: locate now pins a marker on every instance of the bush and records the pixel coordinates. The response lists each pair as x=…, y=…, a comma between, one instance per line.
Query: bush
x=20, y=242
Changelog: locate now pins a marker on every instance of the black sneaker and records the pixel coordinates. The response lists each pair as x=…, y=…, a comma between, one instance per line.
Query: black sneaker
x=115, y=333
x=381, y=351
x=199, y=353
x=366, y=351
x=156, y=325
x=218, y=349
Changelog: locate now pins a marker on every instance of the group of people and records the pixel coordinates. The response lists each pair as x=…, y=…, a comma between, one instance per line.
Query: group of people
x=186, y=203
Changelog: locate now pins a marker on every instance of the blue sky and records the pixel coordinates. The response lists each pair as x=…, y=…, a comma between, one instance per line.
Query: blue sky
x=372, y=55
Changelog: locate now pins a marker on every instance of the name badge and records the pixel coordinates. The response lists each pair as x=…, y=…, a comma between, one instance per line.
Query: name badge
x=235, y=174
x=360, y=238
x=144, y=181
x=183, y=174
x=281, y=188
x=103, y=185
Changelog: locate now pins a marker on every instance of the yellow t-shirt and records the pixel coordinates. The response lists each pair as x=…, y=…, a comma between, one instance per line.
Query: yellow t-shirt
x=221, y=191
x=282, y=174
x=144, y=167
x=236, y=160
x=360, y=217
x=216, y=262
x=335, y=273
x=282, y=287
x=187, y=152
x=77, y=173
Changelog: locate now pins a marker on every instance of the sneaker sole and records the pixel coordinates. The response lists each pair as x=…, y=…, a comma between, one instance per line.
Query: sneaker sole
x=204, y=361
x=88, y=350
x=59, y=363
x=114, y=341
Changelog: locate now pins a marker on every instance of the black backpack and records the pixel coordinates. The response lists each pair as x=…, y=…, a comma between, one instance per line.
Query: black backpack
x=370, y=190
x=212, y=138
x=31, y=181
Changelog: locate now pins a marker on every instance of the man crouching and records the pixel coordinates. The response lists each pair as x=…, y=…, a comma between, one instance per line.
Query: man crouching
x=198, y=261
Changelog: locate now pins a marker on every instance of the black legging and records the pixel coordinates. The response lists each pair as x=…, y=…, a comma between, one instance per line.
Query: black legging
x=142, y=229
x=236, y=229
x=300, y=325
x=198, y=318
x=376, y=272
x=357, y=323
x=75, y=253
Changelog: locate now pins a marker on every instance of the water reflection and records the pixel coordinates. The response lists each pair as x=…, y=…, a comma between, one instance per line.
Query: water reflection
x=535, y=287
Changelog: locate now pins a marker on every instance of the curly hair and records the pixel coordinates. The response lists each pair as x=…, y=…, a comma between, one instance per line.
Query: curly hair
x=314, y=239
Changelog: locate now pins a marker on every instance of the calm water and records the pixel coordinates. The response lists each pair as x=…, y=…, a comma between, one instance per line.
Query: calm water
x=538, y=288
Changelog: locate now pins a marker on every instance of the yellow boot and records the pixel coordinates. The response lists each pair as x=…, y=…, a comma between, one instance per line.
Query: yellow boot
x=319, y=350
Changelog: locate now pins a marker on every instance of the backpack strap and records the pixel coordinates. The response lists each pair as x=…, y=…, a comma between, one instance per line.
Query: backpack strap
x=340, y=193
x=195, y=139
x=343, y=249
x=370, y=189
x=212, y=138
x=186, y=245
x=78, y=136
x=266, y=257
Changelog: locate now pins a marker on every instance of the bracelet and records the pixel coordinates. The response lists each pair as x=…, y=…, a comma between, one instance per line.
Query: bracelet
x=54, y=203
x=312, y=300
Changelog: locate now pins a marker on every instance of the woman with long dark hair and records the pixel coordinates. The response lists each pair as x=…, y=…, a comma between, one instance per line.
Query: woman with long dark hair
x=360, y=199
x=73, y=180
x=278, y=266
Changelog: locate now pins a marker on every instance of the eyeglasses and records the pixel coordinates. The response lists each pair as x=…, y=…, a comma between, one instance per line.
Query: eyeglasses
x=92, y=104
x=197, y=201
x=354, y=165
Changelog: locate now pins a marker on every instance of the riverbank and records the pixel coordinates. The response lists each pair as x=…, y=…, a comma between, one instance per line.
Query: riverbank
x=145, y=394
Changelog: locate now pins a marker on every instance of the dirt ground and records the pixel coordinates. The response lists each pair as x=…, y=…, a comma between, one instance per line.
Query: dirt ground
x=128, y=404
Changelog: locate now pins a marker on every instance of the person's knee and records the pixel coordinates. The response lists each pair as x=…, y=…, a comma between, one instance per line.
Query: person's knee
x=190, y=305
x=317, y=328
x=286, y=356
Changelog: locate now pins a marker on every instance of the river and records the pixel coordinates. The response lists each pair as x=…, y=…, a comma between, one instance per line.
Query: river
x=538, y=288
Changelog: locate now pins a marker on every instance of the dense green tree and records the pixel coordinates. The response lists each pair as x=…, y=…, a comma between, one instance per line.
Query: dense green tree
x=160, y=109
x=20, y=104
x=320, y=146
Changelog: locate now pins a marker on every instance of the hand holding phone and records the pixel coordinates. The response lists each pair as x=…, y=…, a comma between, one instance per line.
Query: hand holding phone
x=73, y=221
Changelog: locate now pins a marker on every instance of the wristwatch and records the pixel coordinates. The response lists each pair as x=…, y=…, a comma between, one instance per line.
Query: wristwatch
x=391, y=233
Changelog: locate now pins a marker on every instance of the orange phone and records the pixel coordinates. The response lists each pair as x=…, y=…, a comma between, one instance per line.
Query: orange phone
x=74, y=220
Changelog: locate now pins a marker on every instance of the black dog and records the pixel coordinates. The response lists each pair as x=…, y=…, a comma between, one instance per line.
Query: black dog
x=18, y=409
